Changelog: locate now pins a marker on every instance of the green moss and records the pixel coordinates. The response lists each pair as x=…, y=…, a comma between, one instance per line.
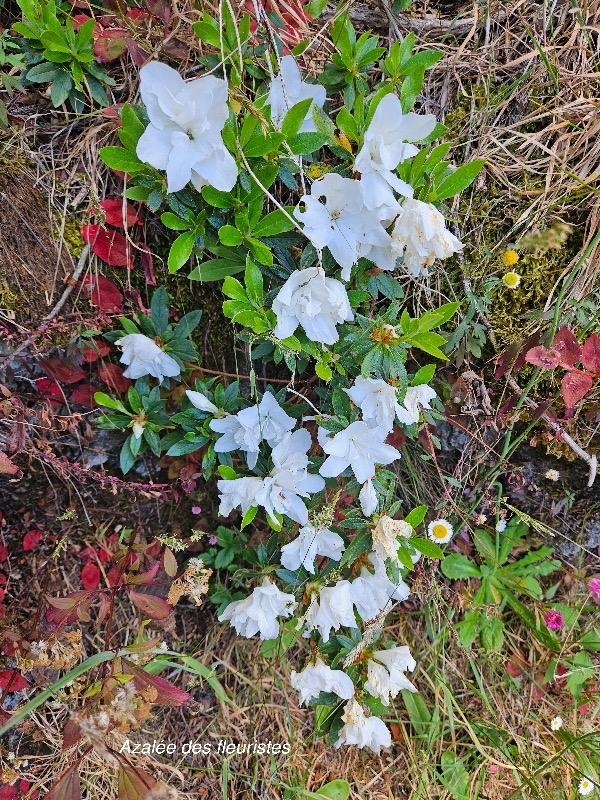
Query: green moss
x=72, y=236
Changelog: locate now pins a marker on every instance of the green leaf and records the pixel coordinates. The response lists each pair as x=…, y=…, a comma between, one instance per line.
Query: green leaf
x=230, y=236
x=361, y=543
x=254, y=283
x=109, y=402
x=305, y=143
x=416, y=516
x=159, y=310
x=227, y=473
x=216, y=269
x=335, y=790
x=120, y=159
x=315, y=8
x=459, y=180
x=173, y=222
x=424, y=375
x=188, y=323
x=428, y=342
x=428, y=548
x=457, y=567
x=295, y=117
x=274, y=223
x=216, y=198
x=43, y=73
x=433, y=319
x=323, y=371
x=260, y=252
x=61, y=87
x=181, y=250
x=248, y=517
x=126, y=456
x=263, y=144
x=131, y=128
x=234, y=289
x=347, y=124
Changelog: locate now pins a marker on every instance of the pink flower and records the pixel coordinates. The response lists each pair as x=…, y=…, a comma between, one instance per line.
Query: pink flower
x=553, y=619
x=594, y=587
x=212, y=539
x=196, y=510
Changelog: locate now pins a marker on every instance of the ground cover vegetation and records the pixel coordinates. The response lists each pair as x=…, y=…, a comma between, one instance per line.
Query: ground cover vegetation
x=299, y=421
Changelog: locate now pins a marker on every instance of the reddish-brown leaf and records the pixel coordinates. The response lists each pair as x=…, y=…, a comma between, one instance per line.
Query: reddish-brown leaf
x=590, y=356
x=102, y=293
x=68, y=786
x=63, y=370
x=112, y=375
x=575, y=385
x=7, y=467
x=12, y=681
x=65, y=610
x=71, y=734
x=113, y=213
x=151, y=606
x=31, y=539
x=110, y=44
x=84, y=395
x=133, y=783
x=147, y=265
x=170, y=563
x=3, y=552
x=569, y=348
x=167, y=695
x=90, y=576
x=111, y=246
x=94, y=349
x=542, y=357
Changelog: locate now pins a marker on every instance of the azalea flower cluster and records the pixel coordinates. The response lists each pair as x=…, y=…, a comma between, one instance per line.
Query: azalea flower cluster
x=373, y=215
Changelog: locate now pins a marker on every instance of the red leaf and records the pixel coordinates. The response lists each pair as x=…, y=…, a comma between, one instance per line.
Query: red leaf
x=137, y=15
x=102, y=293
x=590, y=356
x=144, y=578
x=544, y=358
x=8, y=792
x=84, y=395
x=31, y=540
x=113, y=212
x=575, y=385
x=12, y=681
x=151, y=606
x=568, y=347
x=112, y=375
x=136, y=53
x=7, y=467
x=110, y=44
x=93, y=350
x=79, y=20
x=65, y=610
x=68, y=786
x=63, y=370
x=112, y=112
x=147, y=265
x=167, y=695
x=3, y=552
x=50, y=390
x=90, y=576
x=71, y=734
x=110, y=246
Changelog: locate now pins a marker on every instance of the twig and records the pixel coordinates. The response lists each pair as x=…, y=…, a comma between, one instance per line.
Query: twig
x=592, y=461
x=55, y=311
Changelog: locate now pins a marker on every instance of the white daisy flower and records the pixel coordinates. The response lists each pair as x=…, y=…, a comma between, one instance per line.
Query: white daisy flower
x=586, y=786
x=440, y=531
x=556, y=723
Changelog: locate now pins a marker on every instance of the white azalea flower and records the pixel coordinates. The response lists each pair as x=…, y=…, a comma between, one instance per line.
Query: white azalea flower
x=259, y=611
x=385, y=537
x=138, y=428
x=333, y=609
x=198, y=400
x=342, y=222
x=367, y=498
x=361, y=730
x=377, y=400
x=387, y=681
x=246, y=429
x=310, y=543
x=317, y=303
x=386, y=145
x=289, y=479
x=240, y=492
x=144, y=357
x=317, y=678
x=359, y=447
x=373, y=592
x=288, y=88
x=416, y=396
x=184, y=135
x=420, y=234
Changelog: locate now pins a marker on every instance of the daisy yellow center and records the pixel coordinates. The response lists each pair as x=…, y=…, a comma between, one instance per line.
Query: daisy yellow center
x=440, y=531
x=510, y=258
x=511, y=279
